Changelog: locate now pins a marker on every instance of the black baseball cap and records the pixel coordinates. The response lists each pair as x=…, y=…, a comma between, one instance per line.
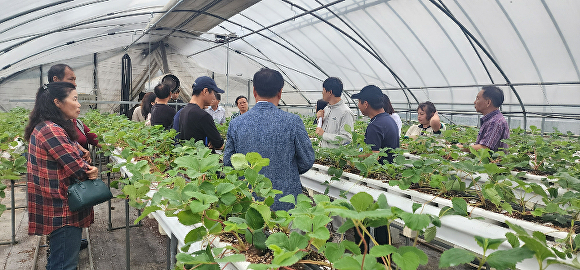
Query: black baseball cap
x=369, y=92
x=205, y=82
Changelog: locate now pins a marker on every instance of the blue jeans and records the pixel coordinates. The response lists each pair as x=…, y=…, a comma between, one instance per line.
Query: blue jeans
x=64, y=244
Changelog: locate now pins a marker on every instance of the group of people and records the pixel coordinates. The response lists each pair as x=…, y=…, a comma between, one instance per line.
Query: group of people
x=57, y=154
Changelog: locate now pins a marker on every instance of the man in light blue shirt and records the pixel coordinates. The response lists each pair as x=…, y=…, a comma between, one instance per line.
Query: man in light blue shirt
x=274, y=134
x=217, y=112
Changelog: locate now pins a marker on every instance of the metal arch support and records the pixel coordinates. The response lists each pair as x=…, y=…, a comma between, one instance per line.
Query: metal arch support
x=33, y=10
x=397, y=78
x=293, y=85
x=561, y=37
x=365, y=41
x=472, y=46
x=153, y=25
x=488, y=55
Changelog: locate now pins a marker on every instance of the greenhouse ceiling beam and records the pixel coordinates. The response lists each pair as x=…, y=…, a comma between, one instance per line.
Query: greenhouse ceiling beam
x=195, y=15
x=377, y=57
x=49, y=14
x=368, y=45
x=270, y=26
x=487, y=54
x=310, y=61
x=292, y=83
x=299, y=53
x=525, y=45
x=564, y=42
x=153, y=25
x=338, y=14
x=86, y=22
x=34, y=10
x=66, y=44
x=247, y=55
x=495, y=84
x=471, y=44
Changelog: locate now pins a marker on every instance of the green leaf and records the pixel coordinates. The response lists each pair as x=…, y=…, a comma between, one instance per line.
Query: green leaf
x=489, y=243
x=288, y=198
x=297, y=241
x=361, y=201
x=347, y=263
x=303, y=223
x=454, y=257
x=148, y=210
x=421, y=256
x=406, y=261
x=223, y=188
x=459, y=206
x=333, y=251
x=512, y=239
x=253, y=157
x=279, y=239
x=239, y=161
x=507, y=259
x=430, y=233
x=186, y=217
x=259, y=240
x=382, y=201
x=416, y=206
x=195, y=235
x=254, y=219
x=320, y=233
x=198, y=207
x=382, y=250
x=228, y=198
x=351, y=246
x=232, y=258
x=320, y=221
x=415, y=222
x=264, y=211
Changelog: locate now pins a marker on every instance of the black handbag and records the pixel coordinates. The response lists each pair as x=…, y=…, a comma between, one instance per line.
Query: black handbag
x=87, y=193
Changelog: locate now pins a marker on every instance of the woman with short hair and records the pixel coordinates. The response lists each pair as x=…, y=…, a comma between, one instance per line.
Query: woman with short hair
x=429, y=121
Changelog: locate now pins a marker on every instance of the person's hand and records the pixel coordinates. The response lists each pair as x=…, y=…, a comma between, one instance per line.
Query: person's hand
x=86, y=154
x=93, y=172
x=320, y=114
x=319, y=131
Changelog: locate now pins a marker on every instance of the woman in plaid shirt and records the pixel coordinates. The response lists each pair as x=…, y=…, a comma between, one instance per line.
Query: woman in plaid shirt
x=54, y=160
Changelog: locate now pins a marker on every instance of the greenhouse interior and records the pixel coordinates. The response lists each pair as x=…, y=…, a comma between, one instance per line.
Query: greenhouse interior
x=290, y=134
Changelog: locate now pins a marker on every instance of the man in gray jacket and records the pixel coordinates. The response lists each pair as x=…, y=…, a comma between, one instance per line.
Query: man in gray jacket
x=335, y=116
x=274, y=134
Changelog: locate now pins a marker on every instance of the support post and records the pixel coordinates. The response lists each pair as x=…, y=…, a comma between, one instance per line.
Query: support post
x=127, y=236
x=13, y=215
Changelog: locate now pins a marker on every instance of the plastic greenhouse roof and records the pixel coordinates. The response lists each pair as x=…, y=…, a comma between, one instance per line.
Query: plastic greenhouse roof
x=416, y=50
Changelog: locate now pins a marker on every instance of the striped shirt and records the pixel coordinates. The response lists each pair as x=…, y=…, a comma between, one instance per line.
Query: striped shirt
x=53, y=162
x=494, y=128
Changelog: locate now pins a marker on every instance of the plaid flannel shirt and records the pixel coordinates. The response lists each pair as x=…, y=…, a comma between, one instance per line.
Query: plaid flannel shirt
x=53, y=162
x=494, y=128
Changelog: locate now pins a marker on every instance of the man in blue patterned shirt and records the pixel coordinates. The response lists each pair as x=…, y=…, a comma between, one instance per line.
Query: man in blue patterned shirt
x=274, y=134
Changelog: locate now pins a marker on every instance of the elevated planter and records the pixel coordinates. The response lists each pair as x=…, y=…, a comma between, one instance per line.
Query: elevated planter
x=457, y=230
x=530, y=178
x=175, y=230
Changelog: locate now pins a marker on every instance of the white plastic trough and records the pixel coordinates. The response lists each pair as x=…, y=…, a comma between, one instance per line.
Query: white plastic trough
x=457, y=230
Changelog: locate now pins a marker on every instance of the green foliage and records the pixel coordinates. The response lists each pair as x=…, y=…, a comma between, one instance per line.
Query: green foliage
x=192, y=185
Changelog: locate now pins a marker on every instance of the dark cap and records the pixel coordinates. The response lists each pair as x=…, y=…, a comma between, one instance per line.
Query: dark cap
x=205, y=82
x=369, y=92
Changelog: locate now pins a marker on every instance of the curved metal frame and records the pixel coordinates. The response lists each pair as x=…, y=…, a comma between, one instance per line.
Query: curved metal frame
x=487, y=54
